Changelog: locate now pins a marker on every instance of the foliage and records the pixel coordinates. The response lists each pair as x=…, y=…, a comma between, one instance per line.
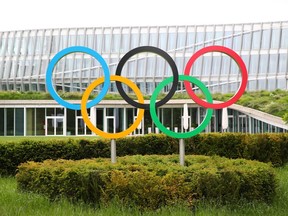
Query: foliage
x=150, y=182
x=268, y=147
x=262, y=147
x=31, y=95
x=285, y=117
x=15, y=203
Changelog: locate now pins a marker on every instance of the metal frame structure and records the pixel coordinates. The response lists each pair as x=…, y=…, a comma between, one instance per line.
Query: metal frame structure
x=24, y=56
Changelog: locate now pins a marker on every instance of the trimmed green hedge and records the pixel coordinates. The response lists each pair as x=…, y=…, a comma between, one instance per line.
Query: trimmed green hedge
x=268, y=147
x=262, y=147
x=150, y=181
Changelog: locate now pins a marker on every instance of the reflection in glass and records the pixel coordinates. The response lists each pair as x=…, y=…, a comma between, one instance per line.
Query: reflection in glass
x=59, y=126
x=10, y=121
x=81, y=127
x=40, y=121
x=19, y=121
x=70, y=122
x=1, y=121
x=99, y=118
x=50, y=126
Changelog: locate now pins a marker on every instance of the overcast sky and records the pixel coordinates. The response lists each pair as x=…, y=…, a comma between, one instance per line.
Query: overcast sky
x=35, y=14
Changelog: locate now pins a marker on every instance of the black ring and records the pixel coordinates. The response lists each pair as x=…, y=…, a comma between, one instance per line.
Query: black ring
x=157, y=51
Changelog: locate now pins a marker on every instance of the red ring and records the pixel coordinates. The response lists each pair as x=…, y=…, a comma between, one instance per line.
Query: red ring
x=240, y=64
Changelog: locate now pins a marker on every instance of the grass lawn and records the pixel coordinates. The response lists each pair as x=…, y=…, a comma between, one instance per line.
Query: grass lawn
x=14, y=203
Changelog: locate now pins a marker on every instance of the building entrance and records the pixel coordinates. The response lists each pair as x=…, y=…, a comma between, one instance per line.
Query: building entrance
x=54, y=126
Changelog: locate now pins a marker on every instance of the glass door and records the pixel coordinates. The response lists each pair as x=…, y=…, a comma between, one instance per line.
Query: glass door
x=109, y=127
x=242, y=124
x=231, y=124
x=81, y=128
x=54, y=126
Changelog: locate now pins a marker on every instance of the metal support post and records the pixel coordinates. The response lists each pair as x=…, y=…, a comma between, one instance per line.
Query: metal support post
x=182, y=152
x=113, y=151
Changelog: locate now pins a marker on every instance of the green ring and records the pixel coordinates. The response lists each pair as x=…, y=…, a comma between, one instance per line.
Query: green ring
x=161, y=127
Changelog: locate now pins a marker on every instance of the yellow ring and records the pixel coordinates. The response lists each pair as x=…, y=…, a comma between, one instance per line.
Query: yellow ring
x=93, y=128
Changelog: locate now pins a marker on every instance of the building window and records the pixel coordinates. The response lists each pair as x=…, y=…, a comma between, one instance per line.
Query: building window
x=284, y=36
x=273, y=63
x=19, y=121
x=225, y=64
x=263, y=63
x=134, y=40
x=181, y=40
x=275, y=38
x=171, y=41
x=256, y=40
x=107, y=42
x=10, y=121
x=216, y=65
x=254, y=64
x=271, y=84
x=162, y=40
x=125, y=43
x=283, y=63
x=30, y=121
x=2, y=122
x=266, y=39
x=246, y=41
x=207, y=65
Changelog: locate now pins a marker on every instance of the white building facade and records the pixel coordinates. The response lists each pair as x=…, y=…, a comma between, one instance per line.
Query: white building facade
x=25, y=55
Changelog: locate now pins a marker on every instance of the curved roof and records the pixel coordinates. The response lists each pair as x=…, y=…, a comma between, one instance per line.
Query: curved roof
x=25, y=55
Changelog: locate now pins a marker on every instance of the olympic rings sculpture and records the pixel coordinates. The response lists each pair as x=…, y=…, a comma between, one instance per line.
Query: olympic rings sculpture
x=208, y=104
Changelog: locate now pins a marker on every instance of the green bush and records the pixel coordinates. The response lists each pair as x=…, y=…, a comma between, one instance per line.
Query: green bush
x=14, y=153
x=262, y=147
x=150, y=181
x=268, y=147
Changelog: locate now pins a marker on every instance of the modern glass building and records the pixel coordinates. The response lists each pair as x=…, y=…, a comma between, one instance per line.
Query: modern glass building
x=25, y=55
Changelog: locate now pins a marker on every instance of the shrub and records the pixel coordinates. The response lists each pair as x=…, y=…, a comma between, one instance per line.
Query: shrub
x=150, y=181
x=262, y=147
x=13, y=153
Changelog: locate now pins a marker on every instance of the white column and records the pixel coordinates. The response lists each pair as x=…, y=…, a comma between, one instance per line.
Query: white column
x=149, y=130
x=25, y=121
x=124, y=119
x=224, y=119
x=65, y=122
x=93, y=117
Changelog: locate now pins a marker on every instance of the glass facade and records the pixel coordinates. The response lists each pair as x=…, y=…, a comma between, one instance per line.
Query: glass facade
x=59, y=121
x=24, y=56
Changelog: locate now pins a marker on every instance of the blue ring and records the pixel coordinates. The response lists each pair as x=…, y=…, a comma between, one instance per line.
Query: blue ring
x=61, y=54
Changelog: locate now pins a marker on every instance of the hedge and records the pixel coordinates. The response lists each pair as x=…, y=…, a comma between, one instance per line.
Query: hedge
x=262, y=147
x=150, y=181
